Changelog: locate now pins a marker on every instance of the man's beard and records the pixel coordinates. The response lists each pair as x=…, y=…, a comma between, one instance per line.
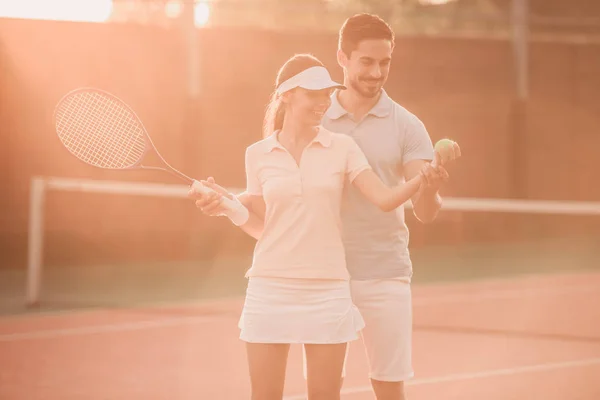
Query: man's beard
x=365, y=93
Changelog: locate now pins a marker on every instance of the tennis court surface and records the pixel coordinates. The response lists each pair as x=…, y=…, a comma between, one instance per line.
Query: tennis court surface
x=505, y=338
x=506, y=305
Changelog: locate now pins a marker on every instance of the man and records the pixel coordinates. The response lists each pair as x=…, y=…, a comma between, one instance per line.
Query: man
x=398, y=147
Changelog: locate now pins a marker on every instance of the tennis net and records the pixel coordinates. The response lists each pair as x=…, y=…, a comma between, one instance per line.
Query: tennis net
x=148, y=241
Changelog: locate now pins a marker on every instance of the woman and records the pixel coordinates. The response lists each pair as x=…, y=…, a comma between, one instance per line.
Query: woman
x=298, y=288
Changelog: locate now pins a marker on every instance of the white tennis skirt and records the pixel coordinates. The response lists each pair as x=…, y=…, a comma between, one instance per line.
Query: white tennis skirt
x=307, y=311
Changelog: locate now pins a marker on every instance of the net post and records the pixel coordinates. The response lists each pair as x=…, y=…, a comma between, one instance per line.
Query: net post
x=35, y=240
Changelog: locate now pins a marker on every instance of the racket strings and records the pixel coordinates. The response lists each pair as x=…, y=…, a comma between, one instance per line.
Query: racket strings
x=100, y=130
x=118, y=148
x=99, y=145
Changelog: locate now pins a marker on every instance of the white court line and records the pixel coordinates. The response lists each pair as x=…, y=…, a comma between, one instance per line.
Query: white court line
x=476, y=375
x=122, y=327
x=505, y=294
x=169, y=322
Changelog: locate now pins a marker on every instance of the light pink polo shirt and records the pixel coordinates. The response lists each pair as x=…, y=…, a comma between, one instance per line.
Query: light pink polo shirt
x=302, y=237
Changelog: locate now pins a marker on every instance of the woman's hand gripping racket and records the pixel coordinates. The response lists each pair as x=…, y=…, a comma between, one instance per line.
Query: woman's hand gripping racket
x=102, y=131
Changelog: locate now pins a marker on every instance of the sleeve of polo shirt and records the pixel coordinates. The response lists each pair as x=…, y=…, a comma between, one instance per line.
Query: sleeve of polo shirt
x=356, y=161
x=417, y=143
x=253, y=186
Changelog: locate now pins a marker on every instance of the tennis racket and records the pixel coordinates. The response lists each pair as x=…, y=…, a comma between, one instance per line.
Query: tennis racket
x=101, y=130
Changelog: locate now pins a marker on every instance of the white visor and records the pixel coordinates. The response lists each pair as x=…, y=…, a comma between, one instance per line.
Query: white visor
x=314, y=78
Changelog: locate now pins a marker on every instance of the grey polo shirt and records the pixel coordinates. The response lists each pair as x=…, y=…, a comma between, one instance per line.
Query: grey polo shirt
x=376, y=242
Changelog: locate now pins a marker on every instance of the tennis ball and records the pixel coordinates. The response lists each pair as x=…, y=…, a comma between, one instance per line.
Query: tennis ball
x=446, y=150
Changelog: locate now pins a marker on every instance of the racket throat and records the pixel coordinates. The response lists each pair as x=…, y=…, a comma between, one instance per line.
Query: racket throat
x=170, y=171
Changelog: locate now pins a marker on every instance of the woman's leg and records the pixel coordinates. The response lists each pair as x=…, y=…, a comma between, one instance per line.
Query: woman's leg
x=324, y=363
x=267, y=363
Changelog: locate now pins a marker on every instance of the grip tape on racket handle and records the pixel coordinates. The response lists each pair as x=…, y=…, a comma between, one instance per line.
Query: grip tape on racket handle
x=235, y=211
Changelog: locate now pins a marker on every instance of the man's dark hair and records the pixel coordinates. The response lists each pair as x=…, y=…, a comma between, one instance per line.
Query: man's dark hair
x=363, y=27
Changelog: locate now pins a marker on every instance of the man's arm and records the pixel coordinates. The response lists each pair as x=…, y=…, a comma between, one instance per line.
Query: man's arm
x=428, y=202
x=417, y=154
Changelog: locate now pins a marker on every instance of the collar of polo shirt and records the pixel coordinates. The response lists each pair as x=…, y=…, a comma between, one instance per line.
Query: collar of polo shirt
x=381, y=109
x=323, y=138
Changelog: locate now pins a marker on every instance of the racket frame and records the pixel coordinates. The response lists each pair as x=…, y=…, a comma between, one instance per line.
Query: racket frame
x=235, y=210
x=149, y=145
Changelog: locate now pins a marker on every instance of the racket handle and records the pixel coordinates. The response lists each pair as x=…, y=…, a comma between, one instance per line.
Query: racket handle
x=234, y=209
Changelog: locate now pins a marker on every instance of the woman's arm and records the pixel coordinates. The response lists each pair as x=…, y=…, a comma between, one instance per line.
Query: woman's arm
x=256, y=206
x=385, y=197
x=252, y=199
x=362, y=176
x=212, y=205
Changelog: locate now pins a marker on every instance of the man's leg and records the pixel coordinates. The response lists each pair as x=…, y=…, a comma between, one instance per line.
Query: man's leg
x=388, y=390
x=386, y=307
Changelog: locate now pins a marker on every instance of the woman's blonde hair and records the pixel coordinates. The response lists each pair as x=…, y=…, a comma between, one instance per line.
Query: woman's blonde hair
x=275, y=113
